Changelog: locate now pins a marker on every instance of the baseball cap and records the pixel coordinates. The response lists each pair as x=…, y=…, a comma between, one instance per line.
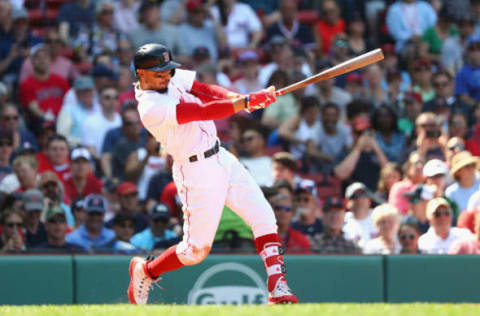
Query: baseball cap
x=305, y=186
x=36, y=48
x=434, y=167
x=193, y=5
x=201, y=52
x=354, y=187
x=422, y=62
x=54, y=210
x=420, y=192
x=120, y=218
x=111, y=185
x=473, y=39
x=78, y=204
x=248, y=55
x=83, y=83
x=94, y=203
x=354, y=78
x=3, y=89
x=333, y=203
x=159, y=211
x=388, y=49
x=79, y=153
x=434, y=204
x=413, y=96
x=48, y=177
x=127, y=188
x=103, y=71
x=33, y=200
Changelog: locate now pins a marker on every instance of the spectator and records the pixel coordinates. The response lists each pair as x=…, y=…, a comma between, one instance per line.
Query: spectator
x=408, y=20
x=128, y=198
x=356, y=35
x=241, y=25
x=418, y=199
x=458, y=127
x=158, y=182
x=332, y=240
x=359, y=226
x=454, y=146
x=6, y=150
x=55, y=158
x=92, y=234
x=59, y=65
x=157, y=236
x=11, y=237
x=143, y=163
x=75, y=18
x=56, y=228
x=82, y=182
x=124, y=228
x=10, y=123
x=391, y=65
x=104, y=76
x=354, y=86
x=104, y=36
x=413, y=107
x=329, y=25
x=455, y=47
x=249, y=82
x=327, y=92
x=102, y=121
x=387, y=220
x=364, y=161
x=42, y=93
x=434, y=36
x=78, y=211
x=52, y=191
x=289, y=27
x=152, y=29
x=465, y=85
x=413, y=175
x=408, y=235
x=73, y=115
x=284, y=167
x=125, y=15
x=33, y=204
x=332, y=139
x=306, y=208
x=198, y=31
x=124, y=57
x=440, y=236
x=422, y=78
x=390, y=174
x=25, y=168
x=466, y=183
x=293, y=241
x=390, y=140
x=259, y=164
x=281, y=56
x=376, y=94
x=435, y=172
x=467, y=246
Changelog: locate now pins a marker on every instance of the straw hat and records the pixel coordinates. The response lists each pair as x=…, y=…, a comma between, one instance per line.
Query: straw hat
x=462, y=159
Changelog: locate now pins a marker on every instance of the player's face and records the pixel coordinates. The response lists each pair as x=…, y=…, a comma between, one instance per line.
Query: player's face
x=151, y=80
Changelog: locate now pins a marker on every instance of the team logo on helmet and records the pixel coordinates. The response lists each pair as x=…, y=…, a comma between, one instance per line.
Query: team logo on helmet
x=166, y=57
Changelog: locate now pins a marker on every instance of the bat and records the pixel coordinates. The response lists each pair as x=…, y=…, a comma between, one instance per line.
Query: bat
x=340, y=69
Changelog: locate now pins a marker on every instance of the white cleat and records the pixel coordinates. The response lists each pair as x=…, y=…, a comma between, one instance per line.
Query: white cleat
x=140, y=281
x=282, y=294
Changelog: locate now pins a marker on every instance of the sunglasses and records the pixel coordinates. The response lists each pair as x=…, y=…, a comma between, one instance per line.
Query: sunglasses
x=109, y=96
x=248, y=139
x=303, y=199
x=446, y=213
x=459, y=147
x=131, y=123
x=440, y=84
x=161, y=220
x=359, y=195
x=407, y=237
x=95, y=213
x=10, y=117
x=14, y=224
x=57, y=221
x=282, y=208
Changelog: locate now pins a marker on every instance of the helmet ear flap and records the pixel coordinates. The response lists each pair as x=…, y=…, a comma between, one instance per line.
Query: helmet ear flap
x=134, y=71
x=172, y=72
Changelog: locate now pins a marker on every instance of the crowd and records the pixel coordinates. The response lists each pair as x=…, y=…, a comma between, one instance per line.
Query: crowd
x=383, y=160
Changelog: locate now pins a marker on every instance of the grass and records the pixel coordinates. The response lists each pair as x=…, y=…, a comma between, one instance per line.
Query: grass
x=285, y=310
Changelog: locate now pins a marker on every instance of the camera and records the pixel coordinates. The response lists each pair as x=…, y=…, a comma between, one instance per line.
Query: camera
x=433, y=134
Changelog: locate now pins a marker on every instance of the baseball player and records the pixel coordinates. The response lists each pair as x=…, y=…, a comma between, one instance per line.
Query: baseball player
x=178, y=111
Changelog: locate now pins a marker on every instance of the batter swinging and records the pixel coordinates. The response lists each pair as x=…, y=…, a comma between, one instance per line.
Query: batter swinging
x=178, y=111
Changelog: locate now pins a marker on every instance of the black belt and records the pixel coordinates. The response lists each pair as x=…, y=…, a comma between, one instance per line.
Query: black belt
x=212, y=151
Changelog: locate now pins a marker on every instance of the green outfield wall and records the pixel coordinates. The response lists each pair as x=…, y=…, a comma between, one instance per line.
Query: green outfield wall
x=240, y=279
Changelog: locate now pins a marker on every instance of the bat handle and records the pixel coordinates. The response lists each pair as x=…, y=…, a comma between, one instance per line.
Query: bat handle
x=279, y=92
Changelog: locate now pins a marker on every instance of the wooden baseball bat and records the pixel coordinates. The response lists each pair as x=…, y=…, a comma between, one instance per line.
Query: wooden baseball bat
x=340, y=69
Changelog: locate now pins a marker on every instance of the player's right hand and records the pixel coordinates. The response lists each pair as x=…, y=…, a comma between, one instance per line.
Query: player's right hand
x=261, y=99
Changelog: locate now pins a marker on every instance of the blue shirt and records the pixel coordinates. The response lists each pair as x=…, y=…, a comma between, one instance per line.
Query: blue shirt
x=80, y=237
x=145, y=239
x=394, y=148
x=461, y=195
x=468, y=82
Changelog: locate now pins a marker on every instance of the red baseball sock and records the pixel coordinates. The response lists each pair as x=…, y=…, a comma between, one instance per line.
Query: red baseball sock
x=167, y=261
x=269, y=248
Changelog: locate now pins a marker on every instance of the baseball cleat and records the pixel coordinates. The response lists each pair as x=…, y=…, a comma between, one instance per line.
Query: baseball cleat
x=140, y=281
x=282, y=294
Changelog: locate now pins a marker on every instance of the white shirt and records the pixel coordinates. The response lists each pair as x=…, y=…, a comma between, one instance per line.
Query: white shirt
x=359, y=230
x=240, y=23
x=431, y=243
x=154, y=164
x=303, y=133
x=158, y=112
x=376, y=247
x=260, y=168
x=96, y=127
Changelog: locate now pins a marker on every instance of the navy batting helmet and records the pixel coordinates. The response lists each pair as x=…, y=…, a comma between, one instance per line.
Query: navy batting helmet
x=154, y=57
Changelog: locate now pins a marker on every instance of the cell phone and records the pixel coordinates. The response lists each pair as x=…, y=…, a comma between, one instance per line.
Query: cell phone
x=433, y=134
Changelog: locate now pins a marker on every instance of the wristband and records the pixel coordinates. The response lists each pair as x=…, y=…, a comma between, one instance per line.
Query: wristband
x=247, y=102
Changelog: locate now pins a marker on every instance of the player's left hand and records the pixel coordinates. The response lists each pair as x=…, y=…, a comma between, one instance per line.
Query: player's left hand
x=261, y=99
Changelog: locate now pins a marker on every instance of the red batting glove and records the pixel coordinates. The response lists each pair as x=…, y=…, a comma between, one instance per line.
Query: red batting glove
x=259, y=100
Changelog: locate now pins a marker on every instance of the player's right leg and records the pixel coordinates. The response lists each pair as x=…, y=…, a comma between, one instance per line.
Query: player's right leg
x=202, y=187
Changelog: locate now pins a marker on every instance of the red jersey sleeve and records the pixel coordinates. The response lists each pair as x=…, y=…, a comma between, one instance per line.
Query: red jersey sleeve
x=189, y=112
x=207, y=92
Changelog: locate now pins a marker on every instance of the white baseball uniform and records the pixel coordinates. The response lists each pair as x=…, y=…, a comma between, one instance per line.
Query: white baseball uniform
x=207, y=184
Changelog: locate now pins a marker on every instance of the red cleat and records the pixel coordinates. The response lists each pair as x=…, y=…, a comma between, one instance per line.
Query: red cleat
x=140, y=281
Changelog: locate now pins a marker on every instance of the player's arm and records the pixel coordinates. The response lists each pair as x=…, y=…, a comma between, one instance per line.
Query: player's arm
x=209, y=92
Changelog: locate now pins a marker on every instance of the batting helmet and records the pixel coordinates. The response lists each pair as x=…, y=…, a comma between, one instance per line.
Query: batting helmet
x=154, y=57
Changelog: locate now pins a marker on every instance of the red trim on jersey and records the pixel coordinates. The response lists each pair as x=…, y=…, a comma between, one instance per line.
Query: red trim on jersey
x=186, y=205
x=207, y=92
x=189, y=112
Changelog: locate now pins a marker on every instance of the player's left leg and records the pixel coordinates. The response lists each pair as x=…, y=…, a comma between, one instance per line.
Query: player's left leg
x=247, y=200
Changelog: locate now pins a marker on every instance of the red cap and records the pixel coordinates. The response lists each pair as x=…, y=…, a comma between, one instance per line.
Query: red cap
x=388, y=49
x=127, y=188
x=193, y=5
x=410, y=96
x=354, y=77
x=422, y=62
x=361, y=123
